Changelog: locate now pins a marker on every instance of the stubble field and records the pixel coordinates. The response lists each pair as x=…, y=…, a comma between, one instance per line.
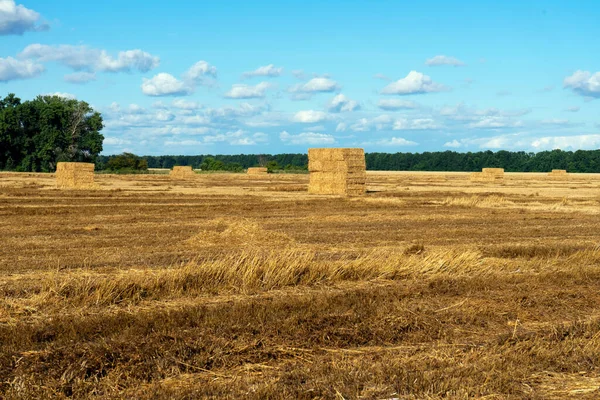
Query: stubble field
x=231, y=286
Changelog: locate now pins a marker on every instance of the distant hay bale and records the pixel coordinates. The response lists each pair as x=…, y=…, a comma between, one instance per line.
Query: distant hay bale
x=74, y=175
x=490, y=175
x=182, y=172
x=337, y=171
x=257, y=171
x=559, y=175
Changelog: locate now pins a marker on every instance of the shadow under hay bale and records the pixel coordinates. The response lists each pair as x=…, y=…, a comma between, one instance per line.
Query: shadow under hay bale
x=337, y=171
x=182, y=172
x=489, y=175
x=74, y=175
x=257, y=171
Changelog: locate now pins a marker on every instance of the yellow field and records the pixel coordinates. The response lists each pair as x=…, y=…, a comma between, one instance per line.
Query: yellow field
x=237, y=286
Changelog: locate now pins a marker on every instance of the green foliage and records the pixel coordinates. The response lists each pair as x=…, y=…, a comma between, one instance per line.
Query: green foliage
x=272, y=166
x=126, y=163
x=35, y=135
x=212, y=164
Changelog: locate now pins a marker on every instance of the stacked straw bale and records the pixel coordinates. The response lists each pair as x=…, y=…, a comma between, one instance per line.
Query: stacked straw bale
x=337, y=171
x=493, y=175
x=182, y=172
x=559, y=175
x=257, y=171
x=74, y=175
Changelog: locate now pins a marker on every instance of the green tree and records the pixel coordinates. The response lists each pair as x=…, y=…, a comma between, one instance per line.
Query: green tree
x=36, y=134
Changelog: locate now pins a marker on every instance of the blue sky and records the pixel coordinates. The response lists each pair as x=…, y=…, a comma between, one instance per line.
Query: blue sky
x=232, y=77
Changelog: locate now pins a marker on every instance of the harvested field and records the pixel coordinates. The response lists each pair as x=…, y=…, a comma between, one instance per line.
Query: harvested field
x=237, y=286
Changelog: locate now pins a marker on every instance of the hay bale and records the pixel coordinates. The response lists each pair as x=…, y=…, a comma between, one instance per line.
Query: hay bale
x=182, y=172
x=559, y=175
x=74, y=175
x=489, y=175
x=337, y=171
x=257, y=171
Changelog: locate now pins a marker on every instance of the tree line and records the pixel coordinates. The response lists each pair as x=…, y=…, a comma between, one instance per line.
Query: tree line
x=37, y=134
x=517, y=161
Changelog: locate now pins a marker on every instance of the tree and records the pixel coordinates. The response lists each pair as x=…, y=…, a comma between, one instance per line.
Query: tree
x=36, y=134
x=126, y=162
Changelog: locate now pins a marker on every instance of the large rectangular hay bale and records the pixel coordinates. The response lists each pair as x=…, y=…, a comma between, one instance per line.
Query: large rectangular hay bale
x=559, y=175
x=182, y=172
x=488, y=175
x=74, y=175
x=337, y=171
x=257, y=171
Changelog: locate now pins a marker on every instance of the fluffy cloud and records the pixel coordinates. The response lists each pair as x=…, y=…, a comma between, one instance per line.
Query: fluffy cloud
x=444, y=60
x=393, y=142
x=67, y=96
x=15, y=19
x=341, y=103
x=584, y=83
x=453, y=144
x=12, y=69
x=241, y=91
x=495, y=123
x=567, y=142
x=396, y=104
x=89, y=59
x=415, y=124
x=414, y=83
x=309, y=138
x=80, y=77
x=386, y=122
x=185, y=105
x=268, y=70
x=315, y=85
x=164, y=84
x=309, y=116
x=199, y=71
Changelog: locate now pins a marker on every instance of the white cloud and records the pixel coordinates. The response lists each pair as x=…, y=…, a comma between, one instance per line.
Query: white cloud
x=267, y=70
x=393, y=141
x=185, y=105
x=89, y=59
x=63, y=95
x=241, y=91
x=80, y=77
x=341, y=103
x=309, y=116
x=113, y=141
x=136, y=109
x=198, y=71
x=415, y=124
x=444, y=60
x=164, y=84
x=495, y=123
x=414, y=83
x=453, y=144
x=341, y=127
x=584, y=83
x=396, y=104
x=13, y=69
x=315, y=85
x=567, y=142
x=15, y=19
x=309, y=138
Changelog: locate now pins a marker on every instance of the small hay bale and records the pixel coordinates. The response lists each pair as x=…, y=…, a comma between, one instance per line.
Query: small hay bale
x=559, y=175
x=489, y=175
x=182, y=172
x=337, y=171
x=74, y=175
x=257, y=171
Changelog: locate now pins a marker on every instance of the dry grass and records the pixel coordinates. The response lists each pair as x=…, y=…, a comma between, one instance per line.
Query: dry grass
x=229, y=287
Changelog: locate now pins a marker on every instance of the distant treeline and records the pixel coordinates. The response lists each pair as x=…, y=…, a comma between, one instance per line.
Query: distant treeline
x=520, y=161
